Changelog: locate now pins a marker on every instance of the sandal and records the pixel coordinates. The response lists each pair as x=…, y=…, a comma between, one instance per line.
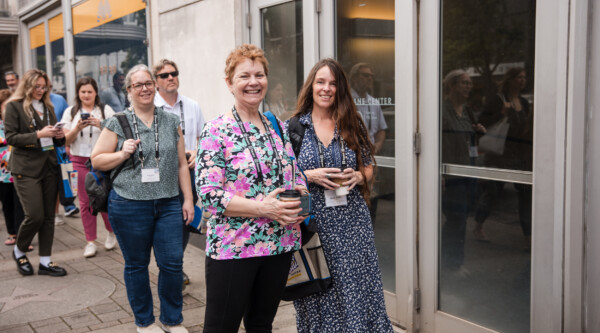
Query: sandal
x=11, y=240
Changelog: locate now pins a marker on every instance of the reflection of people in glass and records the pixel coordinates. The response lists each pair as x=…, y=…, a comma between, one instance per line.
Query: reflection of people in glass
x=114, y=95
x=459, y=129
x=517, y=155
x=275, y=102
x=361, y=81
x=333, y=131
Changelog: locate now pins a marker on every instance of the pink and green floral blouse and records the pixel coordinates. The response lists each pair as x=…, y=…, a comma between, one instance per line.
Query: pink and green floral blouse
x=225, y=168
x=5, y=176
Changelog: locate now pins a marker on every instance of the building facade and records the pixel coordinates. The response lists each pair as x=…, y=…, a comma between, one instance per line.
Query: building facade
x=534, y=195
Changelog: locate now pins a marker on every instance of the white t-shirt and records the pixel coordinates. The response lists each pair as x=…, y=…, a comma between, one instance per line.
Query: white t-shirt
x=194, y=121
x=371, y=113
x=83, y=144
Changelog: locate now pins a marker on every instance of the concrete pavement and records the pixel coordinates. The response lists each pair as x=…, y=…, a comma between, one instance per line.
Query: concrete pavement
x=92, y=297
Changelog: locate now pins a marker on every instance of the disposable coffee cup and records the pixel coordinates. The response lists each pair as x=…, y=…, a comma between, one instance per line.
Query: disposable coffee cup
x=342, y=190
x=290, y=196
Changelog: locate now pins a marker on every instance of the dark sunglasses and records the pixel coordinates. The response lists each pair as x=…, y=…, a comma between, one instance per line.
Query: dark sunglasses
x=166, y=75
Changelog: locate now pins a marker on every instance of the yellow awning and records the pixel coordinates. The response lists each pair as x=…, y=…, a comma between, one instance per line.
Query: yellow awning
x=94, y=13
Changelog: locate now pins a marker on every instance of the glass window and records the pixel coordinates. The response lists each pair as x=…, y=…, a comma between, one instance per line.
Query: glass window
x=110, y=38
x=486, y=131
x=283, y=46
x=365, y=48
x=57, y=51
x=37, y=43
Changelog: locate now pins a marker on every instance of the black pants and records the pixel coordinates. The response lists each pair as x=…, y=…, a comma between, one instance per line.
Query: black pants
x=250, y=288
x=11, y=206
x=455, y=206
x=186, y=229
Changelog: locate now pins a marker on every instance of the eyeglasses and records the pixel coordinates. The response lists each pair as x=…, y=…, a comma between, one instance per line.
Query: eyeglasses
x=166, y=75
x=42, y=88
x=138, y=86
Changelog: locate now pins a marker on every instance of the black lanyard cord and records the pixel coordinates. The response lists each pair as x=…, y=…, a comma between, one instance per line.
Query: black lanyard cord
x=182, y=116
x=251, y=147
x=137, y=137
x=322, y=155
x=46, y=116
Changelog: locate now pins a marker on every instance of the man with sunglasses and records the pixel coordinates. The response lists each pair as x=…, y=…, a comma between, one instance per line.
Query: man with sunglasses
x=192, y=121
x=114, y=95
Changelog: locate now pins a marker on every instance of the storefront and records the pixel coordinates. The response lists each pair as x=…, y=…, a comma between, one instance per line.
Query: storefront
x=532, y=269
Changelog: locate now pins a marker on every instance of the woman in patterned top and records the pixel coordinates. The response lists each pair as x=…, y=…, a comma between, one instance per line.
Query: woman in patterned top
x=143, y=207
x=336, y=152
x=242, y=166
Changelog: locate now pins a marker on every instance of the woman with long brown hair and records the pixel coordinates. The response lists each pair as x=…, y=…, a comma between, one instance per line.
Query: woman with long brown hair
x=338, y=160
x=29, y=125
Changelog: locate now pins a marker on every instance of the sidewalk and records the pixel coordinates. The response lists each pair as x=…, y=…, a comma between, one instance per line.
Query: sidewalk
x=92, y=297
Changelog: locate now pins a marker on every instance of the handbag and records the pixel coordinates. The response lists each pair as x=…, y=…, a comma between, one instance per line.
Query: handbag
x=309, y=273
x=66, y=169
x=494, y=139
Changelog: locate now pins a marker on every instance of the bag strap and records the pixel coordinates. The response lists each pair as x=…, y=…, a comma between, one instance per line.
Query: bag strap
x=296, y=132
x=122, y=118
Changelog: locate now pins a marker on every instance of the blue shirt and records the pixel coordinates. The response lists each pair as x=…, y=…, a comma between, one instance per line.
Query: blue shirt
x=59, y=103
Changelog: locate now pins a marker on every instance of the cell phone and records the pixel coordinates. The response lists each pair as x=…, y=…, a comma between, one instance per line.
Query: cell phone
x=85, y=116
x=59, y=125
x=305, y=204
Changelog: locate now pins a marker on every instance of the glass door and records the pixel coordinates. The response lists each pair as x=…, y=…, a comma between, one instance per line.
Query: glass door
x=477, y=110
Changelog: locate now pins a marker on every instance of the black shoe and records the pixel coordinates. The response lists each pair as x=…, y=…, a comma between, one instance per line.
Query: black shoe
x=52, y=270
x=71, y=211
x=23, y=265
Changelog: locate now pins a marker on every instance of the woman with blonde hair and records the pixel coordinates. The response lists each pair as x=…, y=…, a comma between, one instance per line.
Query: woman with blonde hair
x=29, y=125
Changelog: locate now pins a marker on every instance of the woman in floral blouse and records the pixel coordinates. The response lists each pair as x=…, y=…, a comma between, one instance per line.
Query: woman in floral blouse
x=242, y=166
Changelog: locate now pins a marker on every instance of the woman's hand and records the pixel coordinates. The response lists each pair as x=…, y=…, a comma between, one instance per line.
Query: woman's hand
x=479, y=128
x=129, y=147
x=284, y=213
x=324, y=177
x=188, y=211
x=59, y=133
x=352, y=178
x=93, y=122
x=47, y=132
x=81, y=124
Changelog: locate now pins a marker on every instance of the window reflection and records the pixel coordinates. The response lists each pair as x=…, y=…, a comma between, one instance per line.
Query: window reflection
x=365, y=48
x=108, y=50
x=486, y=120
x=283, y=46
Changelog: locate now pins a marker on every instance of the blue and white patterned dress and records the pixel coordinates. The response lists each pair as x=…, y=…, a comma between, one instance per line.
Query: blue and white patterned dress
x=355, y=301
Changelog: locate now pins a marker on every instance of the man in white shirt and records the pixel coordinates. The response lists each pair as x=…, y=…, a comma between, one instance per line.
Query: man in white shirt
x=190, y=115
x=361, y=81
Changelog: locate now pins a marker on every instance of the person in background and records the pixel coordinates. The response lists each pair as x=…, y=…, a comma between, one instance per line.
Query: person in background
x=275, y=103
x=336, y=151
x=11, y=206
x=29, y=127
x=361, y=82
x=114, y=95
x=12, y=80
x=82, y=129
x=191, y=120
x=60, y=105
x=143, y=206
x=242, y=166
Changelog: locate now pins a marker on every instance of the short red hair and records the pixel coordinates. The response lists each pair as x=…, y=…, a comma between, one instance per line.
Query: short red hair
x=242, y=52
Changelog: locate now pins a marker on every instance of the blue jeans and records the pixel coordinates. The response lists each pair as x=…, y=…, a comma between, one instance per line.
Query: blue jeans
x=141, y=225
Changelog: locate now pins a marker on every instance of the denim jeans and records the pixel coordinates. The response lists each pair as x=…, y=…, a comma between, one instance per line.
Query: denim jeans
x=141, y=225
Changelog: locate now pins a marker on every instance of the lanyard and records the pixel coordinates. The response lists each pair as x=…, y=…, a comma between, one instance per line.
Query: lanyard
x=45, y=116
x=322, y=155
x=182, y=117
x=81, y=133
x=137, y=137
x=251, y=147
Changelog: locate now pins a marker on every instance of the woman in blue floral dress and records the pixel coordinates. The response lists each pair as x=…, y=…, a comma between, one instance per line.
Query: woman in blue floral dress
x=336, y=152
x=241, y=167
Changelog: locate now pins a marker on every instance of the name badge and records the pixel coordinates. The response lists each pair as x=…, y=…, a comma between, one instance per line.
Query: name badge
x=150, y=175
x=47, y=144
x=473, y=151
x=85, y=150
x=332, y=200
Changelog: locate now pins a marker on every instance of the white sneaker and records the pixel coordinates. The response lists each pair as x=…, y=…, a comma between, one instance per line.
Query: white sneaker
x=58, y=220
x=150, y=329
x=90, y=250
x=175, y=329
x=110, y=242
